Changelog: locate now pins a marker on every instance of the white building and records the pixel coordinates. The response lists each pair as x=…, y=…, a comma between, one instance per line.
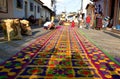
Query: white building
x=50, y=4
x=46, y=13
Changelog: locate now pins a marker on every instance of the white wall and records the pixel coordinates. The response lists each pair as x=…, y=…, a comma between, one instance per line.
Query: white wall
x=85, y=2
x=46, y=14
x=43, y=13
x=47, y=3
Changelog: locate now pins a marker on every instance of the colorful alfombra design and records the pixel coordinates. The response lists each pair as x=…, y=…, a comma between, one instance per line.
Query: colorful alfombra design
x=60, y=54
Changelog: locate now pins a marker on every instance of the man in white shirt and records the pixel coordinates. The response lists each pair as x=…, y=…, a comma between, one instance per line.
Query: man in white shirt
x=49, y=25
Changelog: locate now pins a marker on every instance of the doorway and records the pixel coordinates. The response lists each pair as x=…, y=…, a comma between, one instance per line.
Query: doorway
x=112, y=8
x=35, y=12
x=26, y=9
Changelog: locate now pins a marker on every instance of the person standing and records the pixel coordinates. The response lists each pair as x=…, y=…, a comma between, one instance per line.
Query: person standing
x=76, y=21
x=73, y=24
x=88, y=19
x=99, y=21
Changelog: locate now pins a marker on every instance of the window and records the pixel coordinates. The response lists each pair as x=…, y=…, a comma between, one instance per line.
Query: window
x=3, y=6
x=19, y=4
x=38, y=9
x=52, y=3
x=31, y=6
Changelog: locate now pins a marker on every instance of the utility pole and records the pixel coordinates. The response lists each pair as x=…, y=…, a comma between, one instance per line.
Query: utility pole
x=81, y=5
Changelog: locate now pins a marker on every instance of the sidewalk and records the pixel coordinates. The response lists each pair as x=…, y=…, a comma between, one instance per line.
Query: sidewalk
x=107, y=41
x=8, y=49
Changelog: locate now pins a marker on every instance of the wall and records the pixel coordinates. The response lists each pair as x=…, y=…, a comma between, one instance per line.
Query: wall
x=99, y=5
x=30, y=12
x=43, y=13
x=14, y=12
x=107, y=7
x=9, y=14
x=18, y=13
x=38, y=15
x=116, y=13
x=47, y=3
x=85, y=2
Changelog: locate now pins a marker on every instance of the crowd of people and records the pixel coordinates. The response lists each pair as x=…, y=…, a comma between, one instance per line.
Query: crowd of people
x=97, y=23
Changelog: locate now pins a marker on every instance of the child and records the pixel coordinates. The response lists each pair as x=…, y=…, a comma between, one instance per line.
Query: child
x=88, y=19
x=73, y=24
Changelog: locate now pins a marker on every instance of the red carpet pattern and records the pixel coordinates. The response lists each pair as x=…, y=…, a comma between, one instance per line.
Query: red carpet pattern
x=60, y=54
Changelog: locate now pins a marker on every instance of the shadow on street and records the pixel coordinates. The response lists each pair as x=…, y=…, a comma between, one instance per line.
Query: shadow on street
x=117, y=36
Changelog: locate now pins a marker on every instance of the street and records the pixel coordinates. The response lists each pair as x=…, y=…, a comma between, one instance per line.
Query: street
x=59, y=39
x=64, y=53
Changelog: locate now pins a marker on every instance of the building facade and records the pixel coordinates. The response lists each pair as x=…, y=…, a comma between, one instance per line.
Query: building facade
x=23, y=9
x=116, y=14
x=85, y=3
x=46, y=13
x=90, y=8
x=50, y=4
x=109, y=8
x=6, y=10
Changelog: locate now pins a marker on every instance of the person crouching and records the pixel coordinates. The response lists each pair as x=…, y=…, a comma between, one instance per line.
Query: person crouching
x=49, y=25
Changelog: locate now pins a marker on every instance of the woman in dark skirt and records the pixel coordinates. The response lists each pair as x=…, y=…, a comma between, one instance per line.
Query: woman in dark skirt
x=99, y=22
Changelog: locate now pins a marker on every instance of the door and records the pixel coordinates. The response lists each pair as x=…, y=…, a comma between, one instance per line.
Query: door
x=35, y=12
x=26, y=9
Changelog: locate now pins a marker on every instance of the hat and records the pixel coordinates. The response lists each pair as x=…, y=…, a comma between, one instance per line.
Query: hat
x=106, y=19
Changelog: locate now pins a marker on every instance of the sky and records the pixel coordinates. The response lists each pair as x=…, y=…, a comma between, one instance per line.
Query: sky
x=68, y=6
